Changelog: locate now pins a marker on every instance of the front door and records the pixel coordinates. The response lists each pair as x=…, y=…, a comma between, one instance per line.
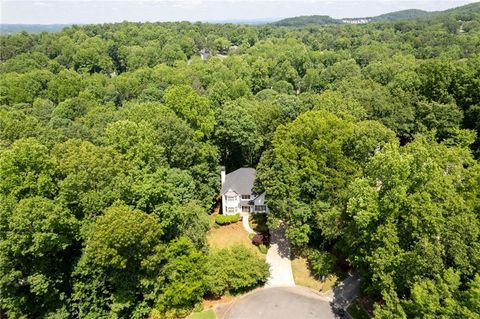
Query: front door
x=245, y=209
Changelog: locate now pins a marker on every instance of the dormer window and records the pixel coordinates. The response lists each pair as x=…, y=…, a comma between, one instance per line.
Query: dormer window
x=246, y=197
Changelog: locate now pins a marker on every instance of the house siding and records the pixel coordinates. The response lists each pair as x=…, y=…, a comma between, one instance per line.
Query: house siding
x=237, y=205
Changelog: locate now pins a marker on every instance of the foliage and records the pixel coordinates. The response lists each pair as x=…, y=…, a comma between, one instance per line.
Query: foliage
x=261, y=239
x=183, y=274
x=401, y=15
x=355, y=310
x=122, y=238
x=118, y=244
x=26, y=169
x=306, y=21
x=420, y=183
x=194, y=109
x=262, y=248
x=38, y=236
x=309, y=170
x=227, y=219
x=235, y=270
x=321, y=263
x=366, y=139
x=259, y=223
x=238, y=132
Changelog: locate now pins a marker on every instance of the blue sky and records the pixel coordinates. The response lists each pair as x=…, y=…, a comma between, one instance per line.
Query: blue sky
x=91, y=11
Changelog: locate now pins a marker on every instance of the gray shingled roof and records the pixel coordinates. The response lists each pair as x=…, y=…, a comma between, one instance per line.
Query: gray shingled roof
x=240, y=181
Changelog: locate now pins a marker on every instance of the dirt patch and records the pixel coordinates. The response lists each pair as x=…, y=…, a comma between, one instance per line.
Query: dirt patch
x=212, y=302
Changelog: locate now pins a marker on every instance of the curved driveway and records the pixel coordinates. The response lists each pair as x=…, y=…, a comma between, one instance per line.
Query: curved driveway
x=281, y=303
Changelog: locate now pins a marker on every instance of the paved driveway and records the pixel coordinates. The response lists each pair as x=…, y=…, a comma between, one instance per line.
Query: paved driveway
x=343, y=294
x=278, y=257
x=280, y=303
x=246, y=225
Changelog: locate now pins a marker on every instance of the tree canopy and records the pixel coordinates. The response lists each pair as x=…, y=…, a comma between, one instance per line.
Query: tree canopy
x=365, y=138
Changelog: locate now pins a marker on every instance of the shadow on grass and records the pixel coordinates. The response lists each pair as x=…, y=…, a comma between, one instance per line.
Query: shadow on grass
x=258, y=222
x=341, y=269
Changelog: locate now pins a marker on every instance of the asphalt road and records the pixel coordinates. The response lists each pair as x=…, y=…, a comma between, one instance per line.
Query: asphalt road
x=281, y=303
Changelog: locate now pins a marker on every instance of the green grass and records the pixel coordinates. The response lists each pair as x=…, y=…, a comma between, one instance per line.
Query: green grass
x=356, y=310
x=303, y=276
x=230, y=235
x=207, y=314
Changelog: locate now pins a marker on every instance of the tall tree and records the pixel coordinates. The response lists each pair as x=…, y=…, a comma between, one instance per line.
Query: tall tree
x=37, y=250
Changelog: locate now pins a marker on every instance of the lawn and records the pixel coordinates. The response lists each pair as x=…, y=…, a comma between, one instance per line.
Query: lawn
x=303, y=277
x=207, y=314
x=229, y=235
x=356, y=311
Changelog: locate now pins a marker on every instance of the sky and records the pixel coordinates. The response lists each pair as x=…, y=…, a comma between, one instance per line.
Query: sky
x=92, y=11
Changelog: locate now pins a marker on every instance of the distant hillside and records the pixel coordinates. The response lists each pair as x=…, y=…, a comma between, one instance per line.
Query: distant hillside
x=33, y=28
x=303, y=21
x=306, y=21
x=414, y=13
x=466, y=9
x=401, y=15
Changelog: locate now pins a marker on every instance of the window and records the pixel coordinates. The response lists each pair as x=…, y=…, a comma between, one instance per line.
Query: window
x=245, y=209
x=231, y=198
x=246, y=197
x=260, y=208
x=230, y=209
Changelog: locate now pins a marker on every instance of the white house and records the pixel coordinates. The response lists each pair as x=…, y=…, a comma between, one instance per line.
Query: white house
x=237, y=194
x=204, y=54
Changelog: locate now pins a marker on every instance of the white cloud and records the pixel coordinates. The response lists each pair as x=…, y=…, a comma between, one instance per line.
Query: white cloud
x=43, y=3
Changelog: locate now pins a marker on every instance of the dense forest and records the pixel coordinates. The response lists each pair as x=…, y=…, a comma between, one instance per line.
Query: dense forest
x=316, y=20
x=366, y=139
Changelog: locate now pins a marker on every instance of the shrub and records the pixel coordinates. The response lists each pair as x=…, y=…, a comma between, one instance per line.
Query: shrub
x=227, y=219
x=261, y=239
x=198, y=307
x=263, y=249
x=250, y=236
x=321, y=262
x=235, y=269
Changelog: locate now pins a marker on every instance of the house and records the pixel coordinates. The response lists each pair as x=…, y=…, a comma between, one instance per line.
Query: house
x=204, y=54
x=237, y=194
x=356, y=21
